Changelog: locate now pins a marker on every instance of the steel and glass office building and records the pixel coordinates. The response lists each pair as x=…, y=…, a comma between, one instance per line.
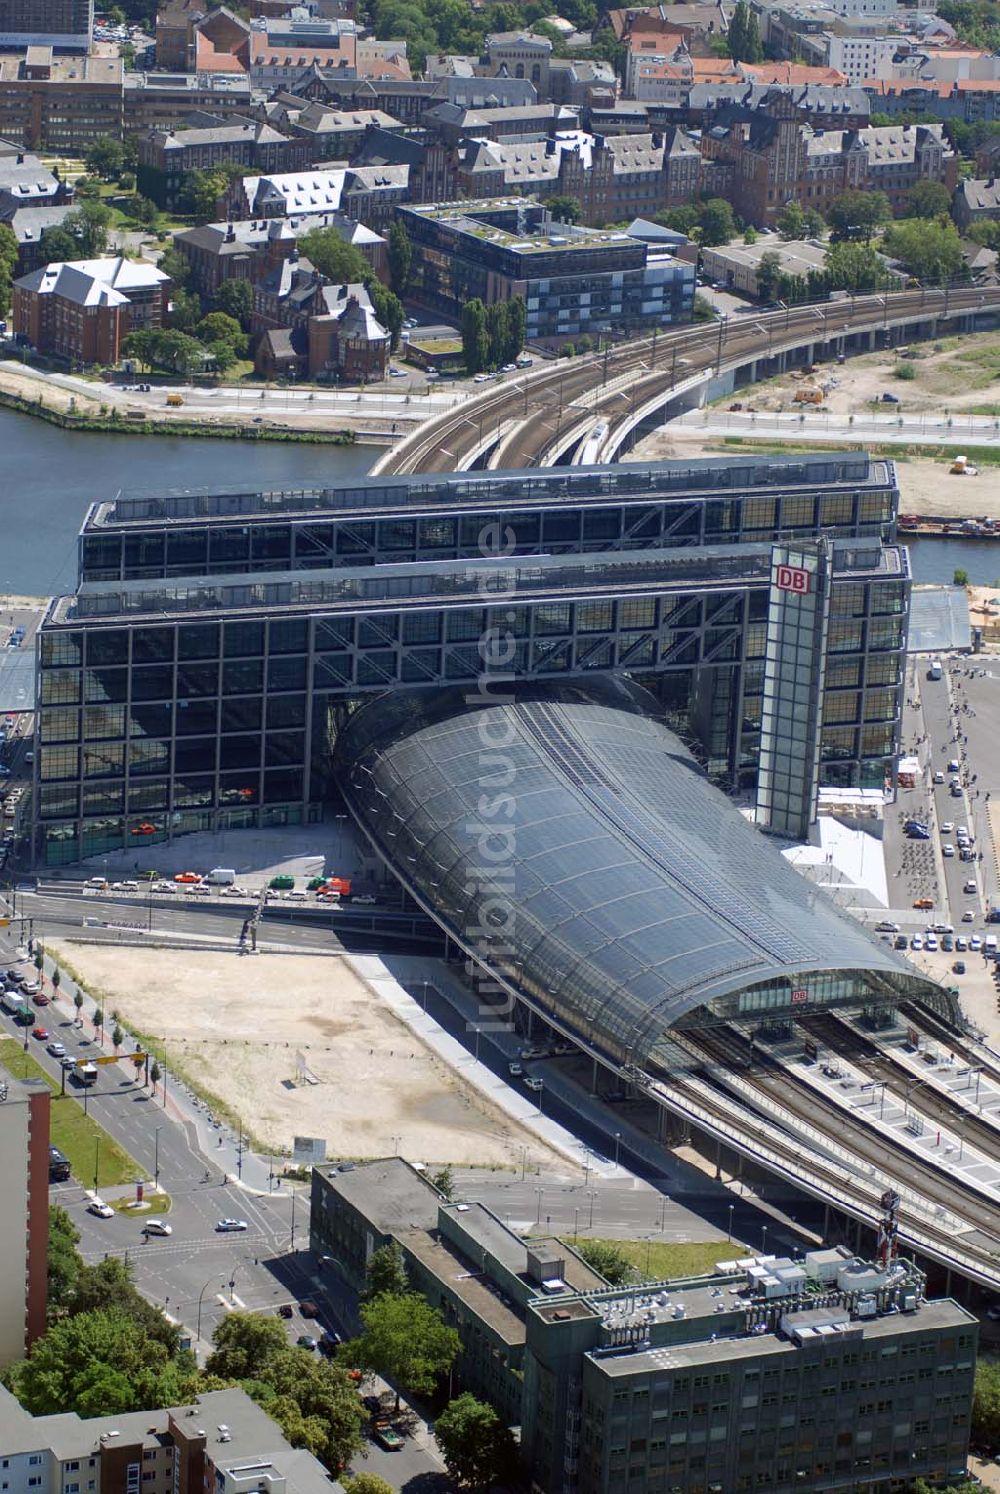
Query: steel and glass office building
x=216, y=644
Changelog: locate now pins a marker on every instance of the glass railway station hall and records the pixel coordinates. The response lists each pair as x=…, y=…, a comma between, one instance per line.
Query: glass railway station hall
x=218, y=643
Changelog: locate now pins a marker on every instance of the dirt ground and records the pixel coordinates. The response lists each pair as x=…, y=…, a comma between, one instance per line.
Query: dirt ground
x=957, y=374
x=235, y=1026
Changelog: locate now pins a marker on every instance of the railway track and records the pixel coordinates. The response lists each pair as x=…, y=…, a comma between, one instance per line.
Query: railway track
x=780, y=1085
x=538, y=403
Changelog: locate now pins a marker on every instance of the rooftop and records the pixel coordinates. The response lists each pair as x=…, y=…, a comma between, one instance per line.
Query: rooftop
x=390, y=1193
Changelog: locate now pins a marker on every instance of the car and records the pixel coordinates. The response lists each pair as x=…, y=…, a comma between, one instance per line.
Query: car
x=947, y=849
x=968, y=916
x=157, y=1227
x=144, y=829
x=963, y=833
x=961, y=942
x=409, y=322
x=954, y=766
x=124, y=887
x=947, y=943
x=900, y=942
x=958, y=968
x=515, y=1070
x=939, y=776
x=102, y=1210
x=306, y=1341
x=887, y=927
x=481, y=378
x=67, y=1063
x=509, y=368
x=164, y=887
x=916, y=831
x=281, y=883
x=432, y=373
x=188, y=879
x=917, y=942
x=524, y=361
x=532, y=1082
x=889, y=399
x=200, y=891
x=947, y=827
x=58, y=1050
x=975, y=942
x=231, y=1226
x=147, y=876
x=397, y=373
x=285, y=1310
x=955, y=791
x=931, y=942
x=234, y=891
x=308, y=1308
x=923, y=902
x=299, y=894
x=365, y=900
x=41, y=1033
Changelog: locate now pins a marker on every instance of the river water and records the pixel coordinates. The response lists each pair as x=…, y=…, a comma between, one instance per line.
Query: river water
x=49, y=477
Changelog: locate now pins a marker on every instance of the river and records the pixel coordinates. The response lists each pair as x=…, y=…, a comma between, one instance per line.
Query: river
x=50, y=477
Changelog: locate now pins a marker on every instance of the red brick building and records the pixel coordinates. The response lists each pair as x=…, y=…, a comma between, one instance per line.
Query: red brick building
x=80, y=310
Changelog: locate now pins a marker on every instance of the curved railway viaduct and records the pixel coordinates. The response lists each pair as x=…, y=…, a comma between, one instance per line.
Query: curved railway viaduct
x=550, y=413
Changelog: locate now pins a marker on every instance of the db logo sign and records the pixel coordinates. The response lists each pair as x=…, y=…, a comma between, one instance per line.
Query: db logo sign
x=793, y=578
x=798, y=996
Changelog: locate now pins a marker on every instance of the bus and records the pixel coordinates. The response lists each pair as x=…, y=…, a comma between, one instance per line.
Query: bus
x=24, y=1016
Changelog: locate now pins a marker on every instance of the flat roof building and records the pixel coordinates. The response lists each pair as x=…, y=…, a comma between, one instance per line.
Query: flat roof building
x=217, y=642
x=24, y=1222
x=573, y=280
x=825, y=1372
x=65, y=24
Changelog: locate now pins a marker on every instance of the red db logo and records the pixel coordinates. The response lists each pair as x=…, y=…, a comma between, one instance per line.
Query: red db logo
x=793, y=578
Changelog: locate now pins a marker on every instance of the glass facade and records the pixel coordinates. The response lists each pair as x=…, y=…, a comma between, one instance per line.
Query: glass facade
x=169, y=703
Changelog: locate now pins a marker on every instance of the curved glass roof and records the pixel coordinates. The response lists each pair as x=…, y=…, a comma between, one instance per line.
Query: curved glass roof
x=573, y=844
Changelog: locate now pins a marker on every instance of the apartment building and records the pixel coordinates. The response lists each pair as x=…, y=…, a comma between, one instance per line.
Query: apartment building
x=221, y=1442
x=24, y=1221
x=245, y=250
x=161, y=101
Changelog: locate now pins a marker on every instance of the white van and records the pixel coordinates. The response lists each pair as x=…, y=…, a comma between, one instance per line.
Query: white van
x=990, y=944
x=220, y=876
x=934, y=673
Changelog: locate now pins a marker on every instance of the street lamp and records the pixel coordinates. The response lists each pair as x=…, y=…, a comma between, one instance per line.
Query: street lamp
x=729, y=1235
x=97, y=1159
x=763, y=1239
x=156, y=1158
x=618, y=1146
x=592, y=1194
x=538, y=1211
x=201, y=1298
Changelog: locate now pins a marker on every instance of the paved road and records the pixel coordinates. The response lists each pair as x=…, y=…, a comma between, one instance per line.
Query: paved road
x=819, y=425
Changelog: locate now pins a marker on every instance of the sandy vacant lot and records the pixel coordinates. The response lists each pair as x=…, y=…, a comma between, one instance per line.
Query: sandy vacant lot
x=235, y=1026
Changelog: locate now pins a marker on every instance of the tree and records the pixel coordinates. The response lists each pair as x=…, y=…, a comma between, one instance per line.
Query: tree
x=39, y=958
x=366, y=1483
x=224, y=355
x=960, y=577
x=718, y=225
x=564, y=209
x=853, y=267
x=235, y=298
x=155, y=1073
x=173, y=263
x=405, y=1340
x=98, y=1019
x=517, y=326
x=928, y=200
x=388, y=309
x=185, y=311
x=63, y=1262
x=245, y=1343
x=985, y=1425
x=744, y=35
x=144, y=210
x=314, y=1402
x=117, y=1037
x=400, y=257
x=201, y=194
x=768, y=274
x=334, y=257
x=98, y=1364
x=607, y=1260
x=475, y=346
x=385, y=1272
x=857, y=215
x=930, y=251
x=58, y=245
x=105, y=157
x=496, y=332
x=83, y=234
x=78, y=1003
x=444, y=1182
x=108, y=1286
x=8, y=265
x=218, y=326
x=478, y=1449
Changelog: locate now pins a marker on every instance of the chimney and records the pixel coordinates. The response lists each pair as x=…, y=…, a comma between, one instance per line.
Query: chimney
x=230, y=234
x=20, y=158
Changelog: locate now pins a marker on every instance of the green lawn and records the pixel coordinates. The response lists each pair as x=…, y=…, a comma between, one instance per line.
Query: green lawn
x=665, y=1260
x=75, y=1134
